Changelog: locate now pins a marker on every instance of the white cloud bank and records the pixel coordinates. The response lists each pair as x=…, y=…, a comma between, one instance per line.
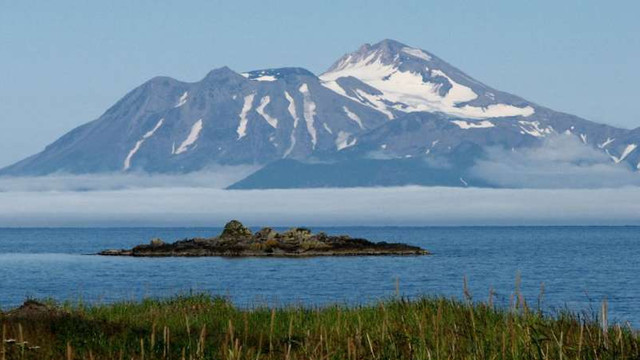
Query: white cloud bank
x=180, y=206
x=562, y=162
x=561, y=183
x=215, y=177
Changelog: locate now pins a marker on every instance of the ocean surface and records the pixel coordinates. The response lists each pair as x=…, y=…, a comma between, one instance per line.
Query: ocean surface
x=579, y=267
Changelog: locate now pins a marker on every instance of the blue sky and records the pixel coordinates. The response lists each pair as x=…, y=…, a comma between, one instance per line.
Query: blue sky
x=63, y=63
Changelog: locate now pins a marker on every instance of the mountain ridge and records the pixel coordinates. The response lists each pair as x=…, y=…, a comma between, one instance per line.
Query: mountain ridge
x=386, y=100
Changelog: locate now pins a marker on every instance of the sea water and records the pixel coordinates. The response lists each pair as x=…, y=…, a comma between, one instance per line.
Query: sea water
x=559, y=268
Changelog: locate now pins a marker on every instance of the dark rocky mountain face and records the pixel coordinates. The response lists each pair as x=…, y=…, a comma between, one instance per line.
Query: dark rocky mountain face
x=227, y=118
x=398, y=114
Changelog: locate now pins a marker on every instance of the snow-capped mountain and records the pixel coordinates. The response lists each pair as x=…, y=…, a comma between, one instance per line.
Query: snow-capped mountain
x=389, y=110
x=394, y=79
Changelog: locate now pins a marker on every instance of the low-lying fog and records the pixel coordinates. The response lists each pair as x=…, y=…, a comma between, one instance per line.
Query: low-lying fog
x=200, y=206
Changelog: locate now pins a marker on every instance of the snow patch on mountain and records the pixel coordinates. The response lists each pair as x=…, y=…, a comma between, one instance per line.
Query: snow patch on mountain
x=267, y=75
x=246, y=107
x=458, y=93
x=375, y=101
x=292, y=111
x=534, y=128
x=353, y=116
x=627, y=150
x=260, y=109
x=408, y=91
x=127, y=160
x=191, y=138
x=183, y=99
x=471, y=125
x=336, y=88
x=606, y=142
x=416, y=53
x=309, y=112
x=292, y=108
x=136, y=147
x=583, y=137
x=344, y=140
x=265, y=78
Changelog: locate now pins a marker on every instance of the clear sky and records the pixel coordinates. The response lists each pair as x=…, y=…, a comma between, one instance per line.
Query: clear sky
x=63, y=63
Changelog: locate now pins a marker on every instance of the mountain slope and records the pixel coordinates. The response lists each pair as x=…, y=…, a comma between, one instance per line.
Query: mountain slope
x=399, y=114
x=227, y=118
x=399, y=78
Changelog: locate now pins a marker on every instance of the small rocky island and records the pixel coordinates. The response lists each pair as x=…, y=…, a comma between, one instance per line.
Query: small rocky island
x=237, y=240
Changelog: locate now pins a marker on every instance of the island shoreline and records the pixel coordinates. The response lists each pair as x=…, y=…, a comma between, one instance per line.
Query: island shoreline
x=238, y=241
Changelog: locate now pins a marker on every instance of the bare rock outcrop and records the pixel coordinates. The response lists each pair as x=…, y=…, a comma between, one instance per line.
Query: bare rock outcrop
x=238, y=240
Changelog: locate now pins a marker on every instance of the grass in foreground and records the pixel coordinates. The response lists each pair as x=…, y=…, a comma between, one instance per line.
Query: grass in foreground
x=204, y=327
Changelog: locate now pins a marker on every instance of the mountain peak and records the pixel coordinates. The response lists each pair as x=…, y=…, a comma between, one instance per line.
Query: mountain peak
x=386, y=45
x=389, y=45
x=221, y=73
x=407, y=79
x=385, y=52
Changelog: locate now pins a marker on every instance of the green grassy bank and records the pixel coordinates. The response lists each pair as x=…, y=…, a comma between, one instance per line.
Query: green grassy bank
x=204, y=327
